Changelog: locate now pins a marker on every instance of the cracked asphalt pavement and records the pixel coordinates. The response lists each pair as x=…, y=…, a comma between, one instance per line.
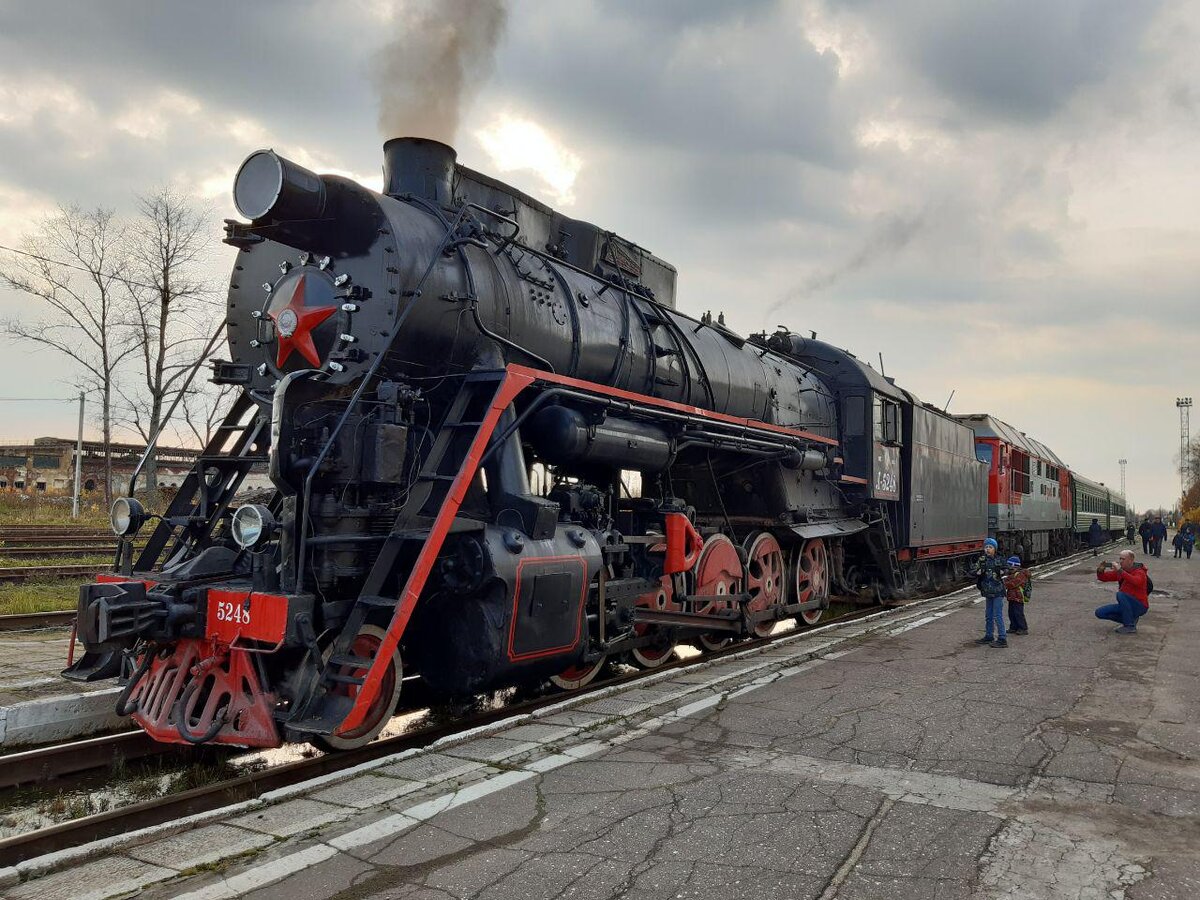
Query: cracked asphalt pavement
x=917, y=766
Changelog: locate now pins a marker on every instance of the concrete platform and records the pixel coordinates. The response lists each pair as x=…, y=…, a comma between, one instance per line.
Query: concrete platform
x=904, y=763
x=37, y=705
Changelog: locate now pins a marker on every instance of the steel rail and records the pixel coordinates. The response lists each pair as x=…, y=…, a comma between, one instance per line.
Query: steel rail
x=64, y=551
x=47, y=763
x=17, y=574
x=30, y=621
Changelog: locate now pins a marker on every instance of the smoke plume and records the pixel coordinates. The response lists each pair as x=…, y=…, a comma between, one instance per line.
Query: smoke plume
x=891, y=236
x=442, y=51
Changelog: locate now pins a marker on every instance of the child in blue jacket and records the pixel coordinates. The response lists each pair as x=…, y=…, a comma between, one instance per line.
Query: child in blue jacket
x=989, y=570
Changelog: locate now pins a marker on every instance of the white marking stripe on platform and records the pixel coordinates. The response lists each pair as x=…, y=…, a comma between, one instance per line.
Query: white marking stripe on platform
x=918, y=623
x=267, y=873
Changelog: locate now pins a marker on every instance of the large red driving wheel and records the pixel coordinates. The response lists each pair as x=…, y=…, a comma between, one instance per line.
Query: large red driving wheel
x=765, y=581
x=366, y=645
x=577, y=676
x=810, y=568
x=653, y=655
x=718, y=573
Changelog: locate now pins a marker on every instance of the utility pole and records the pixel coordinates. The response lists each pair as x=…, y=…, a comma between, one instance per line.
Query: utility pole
x=78, y=460
x=1122, y=463
x=1185, y=433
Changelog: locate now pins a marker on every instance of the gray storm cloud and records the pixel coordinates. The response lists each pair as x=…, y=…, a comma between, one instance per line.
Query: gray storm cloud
x=435, y=64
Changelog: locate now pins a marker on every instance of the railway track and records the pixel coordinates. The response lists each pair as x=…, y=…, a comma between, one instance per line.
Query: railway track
x=65, y=538
x=18, y=574
x=10, y=552
x=31, y=621
x=49, y=526
x=202, y=799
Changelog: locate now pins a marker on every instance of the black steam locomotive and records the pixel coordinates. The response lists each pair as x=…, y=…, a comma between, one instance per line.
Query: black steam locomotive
x=499, y=454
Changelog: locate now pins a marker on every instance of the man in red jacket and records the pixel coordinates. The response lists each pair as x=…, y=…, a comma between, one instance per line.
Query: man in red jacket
x=1133, y=596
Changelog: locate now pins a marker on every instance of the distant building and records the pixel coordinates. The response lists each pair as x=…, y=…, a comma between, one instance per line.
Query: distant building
x=48, y=466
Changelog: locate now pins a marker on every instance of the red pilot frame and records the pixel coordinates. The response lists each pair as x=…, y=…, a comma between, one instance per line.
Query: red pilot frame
x=211, y=687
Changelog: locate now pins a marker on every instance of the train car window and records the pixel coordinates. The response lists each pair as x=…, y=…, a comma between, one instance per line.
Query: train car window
x=1039, y=468
x=891, y=422
x=877, y=418
x=1019, y=479
x=984, y=453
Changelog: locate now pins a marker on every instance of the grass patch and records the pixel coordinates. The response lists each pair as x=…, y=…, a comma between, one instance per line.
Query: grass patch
x=51, y=595
x=100, y=560
x=40, y=509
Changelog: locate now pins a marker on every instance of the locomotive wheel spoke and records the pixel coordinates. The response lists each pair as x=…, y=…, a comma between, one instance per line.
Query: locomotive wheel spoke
x=811, y=573
x=718, y=573
x=577, y=676
x=651, y=656
x=765, y=581
x=365, y=646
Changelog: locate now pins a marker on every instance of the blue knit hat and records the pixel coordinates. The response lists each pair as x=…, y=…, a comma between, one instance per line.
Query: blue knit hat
x=990, y=542
x=1014, y=560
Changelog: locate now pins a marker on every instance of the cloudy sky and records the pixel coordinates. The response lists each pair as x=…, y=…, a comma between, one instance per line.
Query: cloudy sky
x=1001, y=196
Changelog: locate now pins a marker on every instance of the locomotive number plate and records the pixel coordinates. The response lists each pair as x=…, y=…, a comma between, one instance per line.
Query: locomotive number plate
x=234, y=615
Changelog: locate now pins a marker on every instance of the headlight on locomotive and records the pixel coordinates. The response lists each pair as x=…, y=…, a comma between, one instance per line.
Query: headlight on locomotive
x=252, y=526
x=126, y=517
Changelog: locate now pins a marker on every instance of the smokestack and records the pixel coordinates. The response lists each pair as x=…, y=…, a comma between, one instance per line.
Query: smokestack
x=420, y=167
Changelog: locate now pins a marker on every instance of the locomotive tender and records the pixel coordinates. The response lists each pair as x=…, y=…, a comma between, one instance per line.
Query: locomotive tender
x=406, y=362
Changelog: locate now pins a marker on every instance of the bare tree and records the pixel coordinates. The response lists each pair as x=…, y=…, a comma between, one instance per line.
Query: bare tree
x=75, y=264
x=204, y=407
x=172, y=311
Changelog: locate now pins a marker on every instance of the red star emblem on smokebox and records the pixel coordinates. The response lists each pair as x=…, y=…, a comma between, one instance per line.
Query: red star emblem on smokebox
x=294, y=324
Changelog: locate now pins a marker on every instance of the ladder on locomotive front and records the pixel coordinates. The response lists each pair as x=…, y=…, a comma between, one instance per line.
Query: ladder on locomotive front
x=238, y=444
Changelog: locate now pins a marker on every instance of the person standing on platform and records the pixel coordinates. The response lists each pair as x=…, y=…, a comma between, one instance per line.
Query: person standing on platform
x=1133, y=592
x=1129, y=533
x=1158, y=534
x=1017, y=585
x=1095, y=536
x=1144, y=530
x=1189, y=540
x=1177, y=543
x=989, y=571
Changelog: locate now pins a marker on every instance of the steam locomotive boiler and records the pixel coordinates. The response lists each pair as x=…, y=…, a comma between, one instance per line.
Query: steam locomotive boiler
x=499, y=454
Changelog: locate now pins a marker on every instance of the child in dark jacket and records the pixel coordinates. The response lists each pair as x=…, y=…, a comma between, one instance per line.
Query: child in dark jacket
x=1017, y=584
x=989, y=571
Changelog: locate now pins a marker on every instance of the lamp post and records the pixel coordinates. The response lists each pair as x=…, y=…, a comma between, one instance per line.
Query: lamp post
x=1184, y=405
x=1122, y=463
x=78, y=461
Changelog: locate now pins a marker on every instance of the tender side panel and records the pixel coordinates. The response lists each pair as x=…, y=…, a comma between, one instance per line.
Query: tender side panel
x=948, y=496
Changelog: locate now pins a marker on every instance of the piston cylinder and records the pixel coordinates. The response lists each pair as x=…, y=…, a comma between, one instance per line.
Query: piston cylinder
x=562, y=435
